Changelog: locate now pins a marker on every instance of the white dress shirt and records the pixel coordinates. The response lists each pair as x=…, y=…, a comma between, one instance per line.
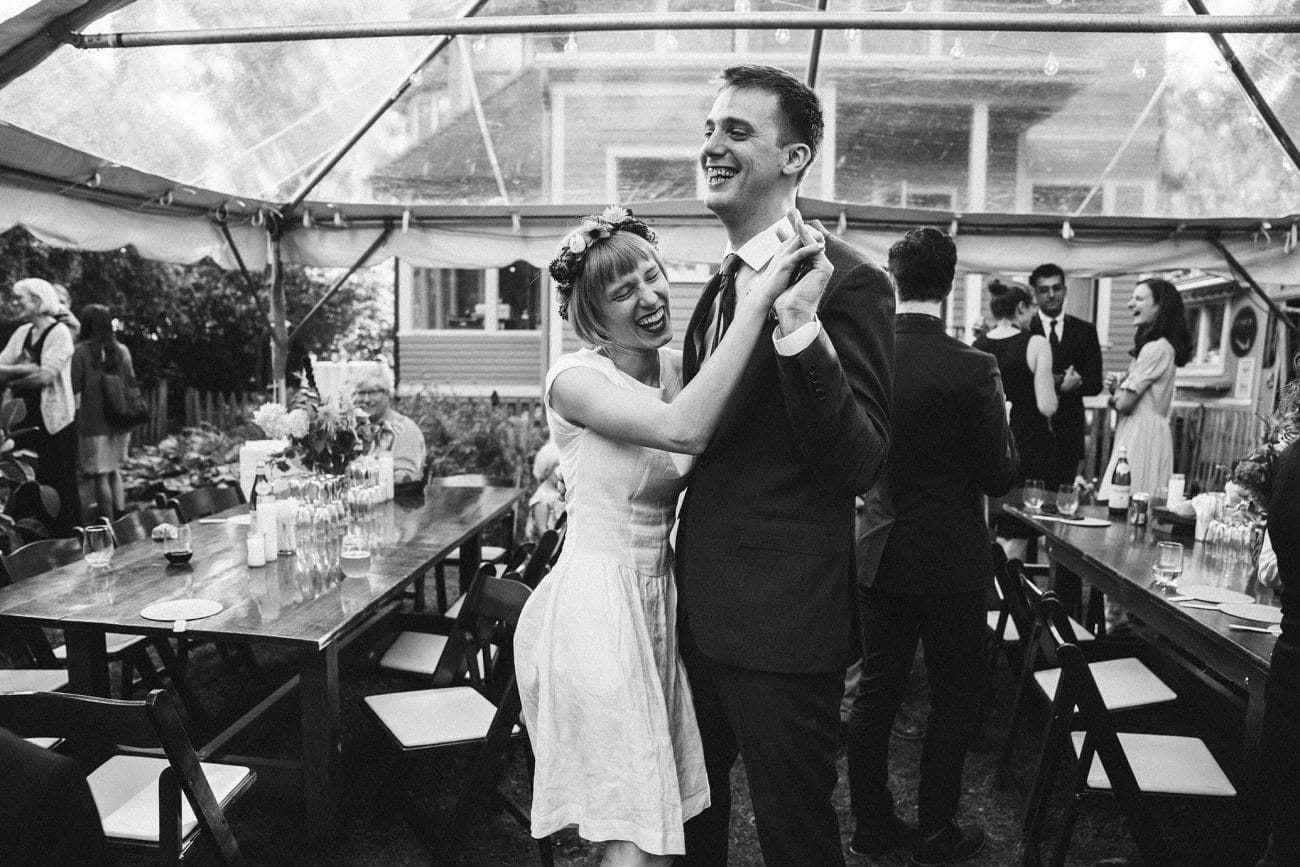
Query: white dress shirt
x=755, y=254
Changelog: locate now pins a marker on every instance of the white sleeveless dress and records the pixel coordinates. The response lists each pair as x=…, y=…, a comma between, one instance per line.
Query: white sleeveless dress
x=605, y=695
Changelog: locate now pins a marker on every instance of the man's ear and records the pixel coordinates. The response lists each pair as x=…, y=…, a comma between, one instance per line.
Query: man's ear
x=797, y=158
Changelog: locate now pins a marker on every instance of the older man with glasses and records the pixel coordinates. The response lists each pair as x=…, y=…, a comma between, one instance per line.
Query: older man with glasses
x=397, y=434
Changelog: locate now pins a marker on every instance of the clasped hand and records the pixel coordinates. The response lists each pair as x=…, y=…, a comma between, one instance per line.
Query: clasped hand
x=803, y=253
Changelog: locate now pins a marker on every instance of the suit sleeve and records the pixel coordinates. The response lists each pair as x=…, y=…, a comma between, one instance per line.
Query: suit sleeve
x=1090, y=364
x=993, y=452
x=837, y=391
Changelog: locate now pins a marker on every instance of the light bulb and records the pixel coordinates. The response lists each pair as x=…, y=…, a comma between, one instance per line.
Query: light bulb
x=1220, y=66
x=1139, y=69
x=782, y=35
x=742, y=6
x=479, y=45
x=908, y=8
x=670, y=42
x=571, y=46
x=1051, y=66
x=851, y=35
x=1053, y=2
x=958, y=51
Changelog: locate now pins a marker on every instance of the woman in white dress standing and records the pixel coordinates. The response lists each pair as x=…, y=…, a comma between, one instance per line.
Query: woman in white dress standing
x=1144, y=397
x=605, y=696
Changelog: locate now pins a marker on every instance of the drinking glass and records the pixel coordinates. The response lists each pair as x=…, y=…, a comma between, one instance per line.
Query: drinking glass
x=98, y=547
x=355, y=556
x=1034, y=495
x=1067, y=500
x=178, y=547
x=1169, y=566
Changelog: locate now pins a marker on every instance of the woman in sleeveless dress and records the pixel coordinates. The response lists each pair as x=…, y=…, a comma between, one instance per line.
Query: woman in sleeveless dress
x=605, y=697
x=1144, y=397
x=1025, y=362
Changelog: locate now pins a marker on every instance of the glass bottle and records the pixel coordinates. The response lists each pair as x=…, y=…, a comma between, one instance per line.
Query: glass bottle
x=1121, y=481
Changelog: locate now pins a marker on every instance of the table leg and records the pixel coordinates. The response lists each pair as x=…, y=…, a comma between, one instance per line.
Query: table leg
x=1068, y=588
x=1252, y=739
x=321, y=765
x=471, y=554
x=87, y=661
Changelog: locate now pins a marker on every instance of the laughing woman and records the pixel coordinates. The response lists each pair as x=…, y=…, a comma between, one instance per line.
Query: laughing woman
x=604, y=693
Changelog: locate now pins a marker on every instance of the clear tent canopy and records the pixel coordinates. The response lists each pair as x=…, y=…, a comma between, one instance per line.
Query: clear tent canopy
x=1066, y=124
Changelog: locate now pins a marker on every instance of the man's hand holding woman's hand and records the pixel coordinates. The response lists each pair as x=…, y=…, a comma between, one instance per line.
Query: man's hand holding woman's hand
x=802, y=254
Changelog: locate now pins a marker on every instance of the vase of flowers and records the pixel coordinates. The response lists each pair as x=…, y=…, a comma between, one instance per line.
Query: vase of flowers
x=324, y=435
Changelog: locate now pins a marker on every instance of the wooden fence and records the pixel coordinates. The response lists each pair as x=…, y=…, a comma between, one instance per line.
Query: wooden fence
x=1207, y=442
x=219, y=409
x=155, y=429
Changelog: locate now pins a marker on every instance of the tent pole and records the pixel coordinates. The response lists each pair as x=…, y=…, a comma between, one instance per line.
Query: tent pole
x=319, y=173
x=1241, y=272
x=467, y=67
x=279, y=335
x=1247, y=83
x=1123, y=146
x=239, y=260
x=815, y=52
x=1034, y=22
x=338, y=284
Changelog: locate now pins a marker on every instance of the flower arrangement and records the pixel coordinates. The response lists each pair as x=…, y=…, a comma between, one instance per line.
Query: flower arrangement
x=568, y=262
x=323, y=435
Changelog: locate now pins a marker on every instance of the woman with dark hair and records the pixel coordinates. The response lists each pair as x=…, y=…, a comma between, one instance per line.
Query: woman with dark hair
x=1143, y=398
x=103, y=445
x=1025, y=362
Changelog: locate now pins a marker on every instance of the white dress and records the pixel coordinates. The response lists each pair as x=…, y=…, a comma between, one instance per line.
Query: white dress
x=605, y=695
x=1145, y=431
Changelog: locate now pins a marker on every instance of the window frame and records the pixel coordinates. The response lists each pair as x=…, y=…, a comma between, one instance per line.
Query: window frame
x=491, y=302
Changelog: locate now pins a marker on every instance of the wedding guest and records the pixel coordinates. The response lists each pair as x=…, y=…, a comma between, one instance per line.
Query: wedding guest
x=103, y=445
x=1025, y=362
x=397, y=434
x=547, y=502
x=924, y=568
x=36, y=365
x=1145, y=396
x=47, y=813
x=64, y=313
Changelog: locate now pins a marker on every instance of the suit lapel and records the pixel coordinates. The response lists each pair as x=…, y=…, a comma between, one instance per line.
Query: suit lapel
x=703, y=309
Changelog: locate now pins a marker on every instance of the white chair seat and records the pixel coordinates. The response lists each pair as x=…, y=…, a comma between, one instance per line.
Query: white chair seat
x=1164, y=764
x=114, y=642
x=433, y=717
x=125, y=789
x=491, y=553
x=32, y=679
x=44, y=743
x=453, y=610
x=414, y=652
x=1123, y=683
x=1011, y=633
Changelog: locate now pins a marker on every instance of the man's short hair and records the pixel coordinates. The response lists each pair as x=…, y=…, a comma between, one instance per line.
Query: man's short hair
x=800, y=107
x=923, y=264
x=1048, y=269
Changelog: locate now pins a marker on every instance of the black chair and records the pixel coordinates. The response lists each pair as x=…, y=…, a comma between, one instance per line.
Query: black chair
x=137, y=526
x=1125, y=766
x=131, y=651
x=202, y=502
x=473, y=702
x=138, y=796
x=542, y=558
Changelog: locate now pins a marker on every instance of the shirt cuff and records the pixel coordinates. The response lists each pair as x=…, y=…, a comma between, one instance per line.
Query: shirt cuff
x=798, y=340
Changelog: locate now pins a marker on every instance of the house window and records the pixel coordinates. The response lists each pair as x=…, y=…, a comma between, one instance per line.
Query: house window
x=496, y=299
x=907, y=195
x=1065, y=199
x=636, y=175
x=1208, y=326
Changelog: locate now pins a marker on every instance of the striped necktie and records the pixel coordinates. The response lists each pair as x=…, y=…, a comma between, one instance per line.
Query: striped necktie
x=723, y=289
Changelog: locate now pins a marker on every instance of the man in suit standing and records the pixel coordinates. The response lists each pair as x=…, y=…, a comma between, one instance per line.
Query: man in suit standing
x=1076, y=367
x=765, y=540
x=924, y=564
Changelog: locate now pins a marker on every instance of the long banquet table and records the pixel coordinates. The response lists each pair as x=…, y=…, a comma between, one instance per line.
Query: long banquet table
x=272, y=605
x=1117, y=561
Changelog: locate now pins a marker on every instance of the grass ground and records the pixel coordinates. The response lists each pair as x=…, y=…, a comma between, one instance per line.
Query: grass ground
x=269, y=830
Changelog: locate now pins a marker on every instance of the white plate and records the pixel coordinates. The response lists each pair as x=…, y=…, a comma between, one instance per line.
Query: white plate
x=1075, y=522
x=181, y=609
x=1206, y=593
x=1254, y=611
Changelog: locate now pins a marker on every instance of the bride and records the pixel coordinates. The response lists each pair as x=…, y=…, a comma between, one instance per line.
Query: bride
x=604, y=693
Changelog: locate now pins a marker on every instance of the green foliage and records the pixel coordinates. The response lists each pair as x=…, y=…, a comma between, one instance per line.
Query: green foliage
x=23, y=499
x=194, y=458
x=468, y=435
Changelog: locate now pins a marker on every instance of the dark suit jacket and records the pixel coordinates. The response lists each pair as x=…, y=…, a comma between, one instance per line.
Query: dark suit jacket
x=47, y=815
x=765, y=544
x=923, y=527
x=1080, y=348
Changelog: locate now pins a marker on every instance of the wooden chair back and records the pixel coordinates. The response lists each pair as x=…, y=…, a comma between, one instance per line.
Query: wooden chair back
x=541, y=560
x=92, y=725
x=202, y=502
x=37, y=557
x=135, y=526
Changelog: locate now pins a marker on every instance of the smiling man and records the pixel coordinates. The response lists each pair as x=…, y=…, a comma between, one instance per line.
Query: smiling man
x=373, y=391
x=766, y=534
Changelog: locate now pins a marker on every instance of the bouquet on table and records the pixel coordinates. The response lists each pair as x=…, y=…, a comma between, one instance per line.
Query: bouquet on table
x=324, y=435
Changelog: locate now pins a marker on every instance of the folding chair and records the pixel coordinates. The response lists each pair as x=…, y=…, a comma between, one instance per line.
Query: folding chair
x=136, y=526
x=202, y=502
x=1127, y=766
x=138, y=796
x=1126, y=683
x=485, y=713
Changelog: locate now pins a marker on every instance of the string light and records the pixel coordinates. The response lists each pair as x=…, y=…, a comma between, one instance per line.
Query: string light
x=1221, y=66
x=1053, y=2
x=1139, y=69
x=571, y=47
x=958, y=51
x=851, y=35
x=479, y=45
x=742, y=6
x=670, y=42
x=782, y=35
x=908, y=8
x=1051, y=66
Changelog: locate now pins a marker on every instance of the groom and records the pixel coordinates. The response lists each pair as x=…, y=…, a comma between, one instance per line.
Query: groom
x=765, y=544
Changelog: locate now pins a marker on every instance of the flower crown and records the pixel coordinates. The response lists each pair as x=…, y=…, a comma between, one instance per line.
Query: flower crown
x=567, y=265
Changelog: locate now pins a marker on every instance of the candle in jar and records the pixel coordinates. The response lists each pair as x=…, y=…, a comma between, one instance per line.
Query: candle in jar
x=256, y=549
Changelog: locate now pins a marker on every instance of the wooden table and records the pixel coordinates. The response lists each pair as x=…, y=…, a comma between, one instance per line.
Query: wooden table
x=275, y=605
x=1117, y=560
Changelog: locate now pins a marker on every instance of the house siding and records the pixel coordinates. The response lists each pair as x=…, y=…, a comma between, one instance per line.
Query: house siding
x=509, y=363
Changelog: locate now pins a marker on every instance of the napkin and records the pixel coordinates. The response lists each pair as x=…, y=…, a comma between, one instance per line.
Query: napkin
x=1205, y=506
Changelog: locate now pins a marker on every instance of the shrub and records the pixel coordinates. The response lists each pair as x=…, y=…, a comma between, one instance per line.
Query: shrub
x=196, y=457
x=475, y=435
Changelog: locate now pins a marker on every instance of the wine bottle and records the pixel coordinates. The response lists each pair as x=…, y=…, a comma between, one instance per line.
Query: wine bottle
x=1121, y=484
